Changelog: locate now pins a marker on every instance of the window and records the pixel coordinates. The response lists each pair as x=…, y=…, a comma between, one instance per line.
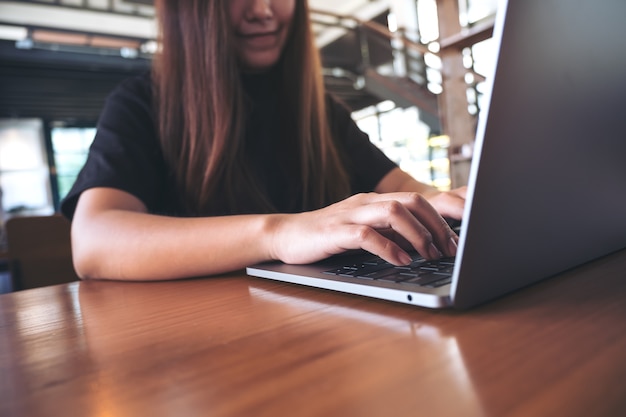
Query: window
x=406, y=140
x=472, y=11
x=24, y=172
x=70, y=146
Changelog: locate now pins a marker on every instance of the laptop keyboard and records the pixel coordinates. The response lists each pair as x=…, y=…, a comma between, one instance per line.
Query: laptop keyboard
x=420, y=272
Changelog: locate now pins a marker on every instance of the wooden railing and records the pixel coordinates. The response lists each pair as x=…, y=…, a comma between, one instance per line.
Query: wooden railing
x=466, y=38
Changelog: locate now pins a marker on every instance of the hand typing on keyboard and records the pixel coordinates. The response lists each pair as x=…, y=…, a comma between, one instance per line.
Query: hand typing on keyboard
x=383, y=224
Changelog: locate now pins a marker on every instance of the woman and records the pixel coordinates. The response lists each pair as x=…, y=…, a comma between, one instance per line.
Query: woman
x=230, y=153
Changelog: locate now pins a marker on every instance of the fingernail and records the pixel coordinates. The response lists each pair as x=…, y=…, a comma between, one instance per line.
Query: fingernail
x=433, y=251
x=405, y=259
x=452, y=246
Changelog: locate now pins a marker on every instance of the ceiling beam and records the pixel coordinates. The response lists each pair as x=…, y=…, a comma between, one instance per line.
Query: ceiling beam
x=77, y=20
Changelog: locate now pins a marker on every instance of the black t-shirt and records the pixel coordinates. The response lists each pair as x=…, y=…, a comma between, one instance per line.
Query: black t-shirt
x=126, y=152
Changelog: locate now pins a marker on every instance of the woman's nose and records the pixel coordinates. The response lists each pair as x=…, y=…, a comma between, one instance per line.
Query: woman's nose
x=259, y=9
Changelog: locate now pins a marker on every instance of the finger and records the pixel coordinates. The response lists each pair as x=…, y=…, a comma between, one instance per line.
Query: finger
x=443, y=236
x=422, y=225
x=461, y=192
x=358, y=236
x=449, y=204
x=395, y=215
x=397, y=238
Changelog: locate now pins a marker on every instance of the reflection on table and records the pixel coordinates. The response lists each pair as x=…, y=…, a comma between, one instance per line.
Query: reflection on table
x=239, y=346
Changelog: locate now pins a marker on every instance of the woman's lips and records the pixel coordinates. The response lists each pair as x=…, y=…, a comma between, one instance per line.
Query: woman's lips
x=260, y=40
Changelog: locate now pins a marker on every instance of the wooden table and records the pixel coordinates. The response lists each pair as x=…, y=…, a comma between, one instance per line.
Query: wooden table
x=240, y=346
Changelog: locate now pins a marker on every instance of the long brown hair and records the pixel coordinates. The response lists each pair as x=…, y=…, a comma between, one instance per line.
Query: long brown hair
x=201, y=112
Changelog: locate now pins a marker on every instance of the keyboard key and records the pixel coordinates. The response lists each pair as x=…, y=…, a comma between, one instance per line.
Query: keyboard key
x=394, y=277
x=424, y=280
x=439, y=283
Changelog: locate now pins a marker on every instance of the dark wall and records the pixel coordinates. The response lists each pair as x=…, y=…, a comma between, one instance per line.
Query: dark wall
x=59, y=86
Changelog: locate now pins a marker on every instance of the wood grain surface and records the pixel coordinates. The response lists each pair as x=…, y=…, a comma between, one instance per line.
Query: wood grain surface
x=239, y=346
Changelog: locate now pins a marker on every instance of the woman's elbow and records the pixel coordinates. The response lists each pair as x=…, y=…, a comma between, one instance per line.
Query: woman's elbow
x=84, y=260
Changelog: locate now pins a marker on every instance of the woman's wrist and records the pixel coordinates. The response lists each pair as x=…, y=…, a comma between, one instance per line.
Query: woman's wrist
x=272, y=225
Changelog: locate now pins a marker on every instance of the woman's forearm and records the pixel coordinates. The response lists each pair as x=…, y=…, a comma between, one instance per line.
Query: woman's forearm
x=114, y=238
x=137, y=246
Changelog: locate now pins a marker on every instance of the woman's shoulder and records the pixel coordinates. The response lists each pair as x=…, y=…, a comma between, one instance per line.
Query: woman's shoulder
x=130, y=98
x=139, y=86
x=338, y=112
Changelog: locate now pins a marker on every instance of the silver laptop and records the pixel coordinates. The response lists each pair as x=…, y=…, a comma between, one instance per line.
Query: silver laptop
x=547, y=186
